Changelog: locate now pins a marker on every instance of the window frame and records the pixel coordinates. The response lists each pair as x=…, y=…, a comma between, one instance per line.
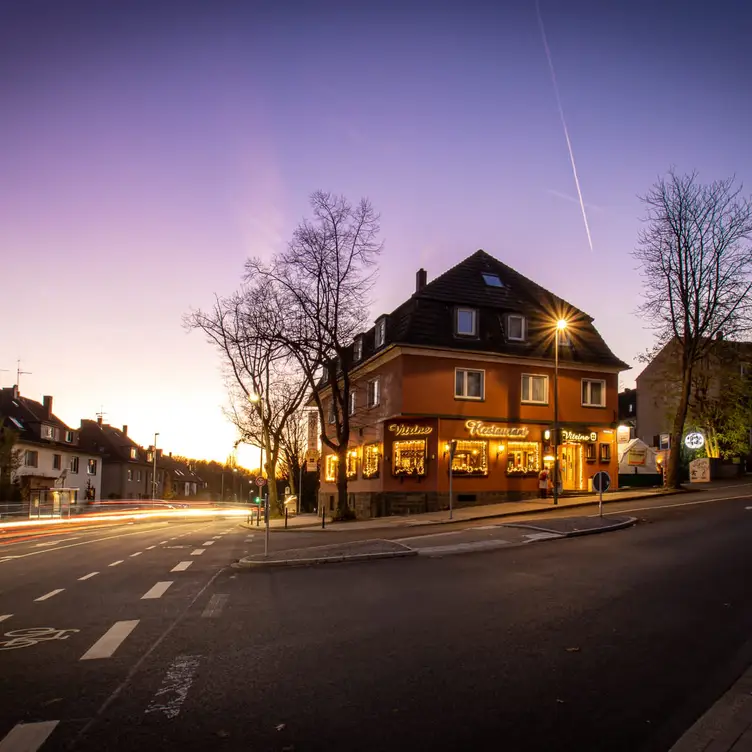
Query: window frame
x=129, y=474
x=589, y=382
x=531, y=401
x=379, y=337
x=352, y=402
x=69, y=437
x=358, y=349
x=466, y=309
x=523, y=322
x=466, y=371
x=31, y=454
x=16, y=422
x=57, y=461
x=493, y=276
x=375, y=403
x=604, y=452
x=73, y=465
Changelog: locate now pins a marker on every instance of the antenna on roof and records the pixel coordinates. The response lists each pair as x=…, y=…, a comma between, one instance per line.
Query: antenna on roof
x=20, y=373
x=101, y=415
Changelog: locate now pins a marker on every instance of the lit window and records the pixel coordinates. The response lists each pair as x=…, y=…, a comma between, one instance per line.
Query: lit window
x=74, y=465
x=409, y=457
x=352, y=463
x=331, y=467
x=134, y=453
x=466, y=322
x=130, y=474
x=380, y=332
x=358, y=349
x=516, y=327
x=374, y=392
x=593, y=393
x=523, y=457
x=470, y=458
x=48, y=432
x=91, y=468
x=17, y=423
x=605, y=452
x=590, y=452
x=468, y=384
x=352, y=402
x=534, y=389
x=371, y=461
x=138, y=475
x=492, y=280
x=31, y=458
x=57, y=461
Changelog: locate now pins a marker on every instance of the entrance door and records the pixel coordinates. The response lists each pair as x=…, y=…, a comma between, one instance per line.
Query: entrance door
x=570, y=466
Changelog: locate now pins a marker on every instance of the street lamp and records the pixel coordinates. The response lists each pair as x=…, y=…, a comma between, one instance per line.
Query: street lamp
x=154, y=471
x=256, y=399
x=561, y=325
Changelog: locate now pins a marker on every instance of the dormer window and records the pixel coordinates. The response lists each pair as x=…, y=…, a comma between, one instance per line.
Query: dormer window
x=466, y=322
x=516, y=327
x=48, y=432
x=134, y=453
x=69, y=437
x=358, y=348
x=380, y=333
x=492, y=280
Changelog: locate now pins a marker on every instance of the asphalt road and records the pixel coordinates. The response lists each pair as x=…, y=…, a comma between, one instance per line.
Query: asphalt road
x=611, y=642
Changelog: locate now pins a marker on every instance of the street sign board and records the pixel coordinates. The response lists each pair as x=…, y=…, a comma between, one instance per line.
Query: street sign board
x=601, y=481
x=260, y=481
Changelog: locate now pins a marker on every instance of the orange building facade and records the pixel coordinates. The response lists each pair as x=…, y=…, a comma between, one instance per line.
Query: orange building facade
x=492, y=395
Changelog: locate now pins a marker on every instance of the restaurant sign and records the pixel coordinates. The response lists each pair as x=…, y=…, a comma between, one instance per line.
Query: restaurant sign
x=575, y=436
x=495, y=431
x=402, y=429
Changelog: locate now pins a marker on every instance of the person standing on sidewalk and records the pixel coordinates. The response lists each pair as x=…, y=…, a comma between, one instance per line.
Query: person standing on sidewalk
x=543, y=483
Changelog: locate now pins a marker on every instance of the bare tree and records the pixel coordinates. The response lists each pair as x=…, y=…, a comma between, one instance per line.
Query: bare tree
x=696, y=261
x=322, y=282
x=265, y=385
x=293, y=441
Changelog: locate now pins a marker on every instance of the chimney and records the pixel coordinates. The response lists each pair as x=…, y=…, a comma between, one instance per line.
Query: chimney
x=170, y=454
x=125, y=430
x=420, y=280
x=15, y=391
x=719, y=335
x=47, y=402
x=99, y=419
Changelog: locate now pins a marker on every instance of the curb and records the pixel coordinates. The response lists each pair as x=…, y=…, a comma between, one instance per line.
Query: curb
x=628, y=522
x=322, y=560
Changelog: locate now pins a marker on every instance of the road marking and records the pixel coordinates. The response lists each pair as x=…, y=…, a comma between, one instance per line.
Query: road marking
x=138, y=553
x=115, y=563
x=157, y=591
x=681, y=504
x=171, y=695
x=217, y=537
x=460, y=548
x=198, y=552
x=748, y=508
x=542, y=536
x=181, y=566
x=110, y=641
x=48, y=595
x=3, y=617
x=161, y=543
x=88, y=576
x=27, y=737
x=214, y=607
x=149, y=548
x=208, y=543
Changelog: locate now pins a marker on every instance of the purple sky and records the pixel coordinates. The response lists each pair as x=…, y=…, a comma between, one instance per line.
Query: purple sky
x=147, y=149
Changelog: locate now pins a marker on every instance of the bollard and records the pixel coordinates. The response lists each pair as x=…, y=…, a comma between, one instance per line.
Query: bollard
x=323, y=517
x=285, y=518
x=258, y=516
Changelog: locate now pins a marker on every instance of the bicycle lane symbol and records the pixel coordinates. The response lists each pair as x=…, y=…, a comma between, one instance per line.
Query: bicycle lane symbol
x=26, y=638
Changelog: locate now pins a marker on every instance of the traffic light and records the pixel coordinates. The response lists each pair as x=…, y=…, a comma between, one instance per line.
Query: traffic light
x=257, y=500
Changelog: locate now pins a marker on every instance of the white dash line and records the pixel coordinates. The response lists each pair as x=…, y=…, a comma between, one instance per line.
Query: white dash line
x=208, y=543
x=27, y=737
x=161, y=543
x=198, y=552
x=138, y=553
x=110, y=641
x=181, y=566
x=214, y=607
x=3, y=617
x=88, y=576
x=48, y=595
x=157, y=591
x=115, y=563
x=149, y=548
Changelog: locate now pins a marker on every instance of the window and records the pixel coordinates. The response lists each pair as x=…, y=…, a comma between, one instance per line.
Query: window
x=130, y=474
x=374, y=392
x=69, y=437
x=590, y=452
x=331, y=467
x=631, y=408
x=380, y=333
x=470, y=458
x=516, y=327
x=138, y=475
x=593, y=393
x=523, y=457
x=371, y=461
x=564, y=339
x=352, y=463
x=466, y=322
x=409, y=457
x=534, y=389
x=16, y=422
x=31, y=458
x=57, y=461
x=74, y=465
x=605, y=452
x=91, y=468
x=48, y=432
x=332, y=416
x=358, y=349
x=150, y=456
x=468, y=384
x=492, y=280
x=352, y=403
x=134, y=453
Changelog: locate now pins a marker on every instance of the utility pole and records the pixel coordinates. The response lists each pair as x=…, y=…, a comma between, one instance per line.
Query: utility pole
x=154, y=478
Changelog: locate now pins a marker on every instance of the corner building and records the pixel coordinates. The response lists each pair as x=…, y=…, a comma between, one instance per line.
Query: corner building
x=470, y=357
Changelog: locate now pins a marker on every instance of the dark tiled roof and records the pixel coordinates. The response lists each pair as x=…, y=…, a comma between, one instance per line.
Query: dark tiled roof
x=30, y=414
x=111, y=442
x=427, y=317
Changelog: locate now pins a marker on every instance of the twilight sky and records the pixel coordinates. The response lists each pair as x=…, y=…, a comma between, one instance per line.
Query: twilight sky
x=147, y=148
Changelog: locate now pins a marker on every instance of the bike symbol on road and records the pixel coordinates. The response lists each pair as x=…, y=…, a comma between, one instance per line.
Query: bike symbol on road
x=25, y=638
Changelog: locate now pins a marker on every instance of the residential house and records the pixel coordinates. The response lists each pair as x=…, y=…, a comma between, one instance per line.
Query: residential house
x=179, y=477
x=53, y=456
x=470, y=358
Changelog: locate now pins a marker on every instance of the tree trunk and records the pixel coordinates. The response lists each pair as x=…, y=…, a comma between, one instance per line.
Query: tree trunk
x=342, y=482
x=672, y=471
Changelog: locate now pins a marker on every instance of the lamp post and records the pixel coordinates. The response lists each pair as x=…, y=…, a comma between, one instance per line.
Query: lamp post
x=154, y=471
x=561, y=325
x=256, y=398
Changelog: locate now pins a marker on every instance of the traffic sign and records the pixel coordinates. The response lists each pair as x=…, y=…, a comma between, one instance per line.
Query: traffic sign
x=601, y=481
x=260, y=481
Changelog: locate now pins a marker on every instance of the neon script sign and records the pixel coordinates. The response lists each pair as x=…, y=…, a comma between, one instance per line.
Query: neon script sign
x=400, y=429
x=494, y=431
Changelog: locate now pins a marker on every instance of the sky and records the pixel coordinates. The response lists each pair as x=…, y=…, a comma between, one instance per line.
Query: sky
x=147, y=149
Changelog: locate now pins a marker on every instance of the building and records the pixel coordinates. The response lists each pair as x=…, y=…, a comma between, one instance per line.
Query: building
x=469, y=357
x=126, y=466
x=179, y=477
x=52, y=454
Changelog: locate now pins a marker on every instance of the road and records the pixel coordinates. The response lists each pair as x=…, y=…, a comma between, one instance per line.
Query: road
x=603, y=642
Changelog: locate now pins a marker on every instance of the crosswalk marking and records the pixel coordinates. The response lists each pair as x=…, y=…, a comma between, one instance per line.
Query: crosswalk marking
x=157, y=591
x=110, y=641
x=198, y=552
x=181, y=566
x=27, y=737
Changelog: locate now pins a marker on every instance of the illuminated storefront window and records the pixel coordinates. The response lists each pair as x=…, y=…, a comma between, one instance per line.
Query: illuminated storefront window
x=352, y=463
x=470, y=458
x=371, y=461
x=523, y=457
x=409, y=457
x=331, y=467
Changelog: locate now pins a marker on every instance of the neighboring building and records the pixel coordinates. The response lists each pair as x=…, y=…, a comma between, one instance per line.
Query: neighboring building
x=53, y=456
x=470, y=357
x=627, y=415
x=127, y=467
x=179, y=477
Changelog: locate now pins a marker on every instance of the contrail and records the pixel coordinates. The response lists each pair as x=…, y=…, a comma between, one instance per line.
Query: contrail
x=563, y=122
